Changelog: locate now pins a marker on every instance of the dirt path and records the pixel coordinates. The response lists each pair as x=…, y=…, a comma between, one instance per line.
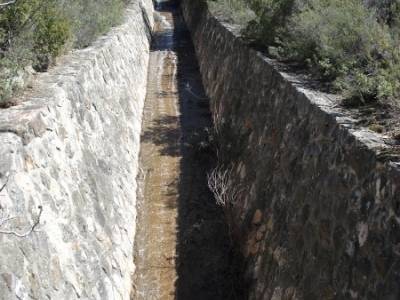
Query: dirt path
x=182, y=246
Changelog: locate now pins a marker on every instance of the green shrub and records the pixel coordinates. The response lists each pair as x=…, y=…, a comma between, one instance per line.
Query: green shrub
x=353, y=44
x=272, y=15
x=92, y=18
x=339, y=40
x=51, y=34
x=16, y=42
x=387, y=10
x=35, y=32
x=236, y=11
x=342, y=41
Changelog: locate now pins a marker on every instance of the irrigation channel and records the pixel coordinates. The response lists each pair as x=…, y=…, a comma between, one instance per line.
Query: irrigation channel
x=182, y=246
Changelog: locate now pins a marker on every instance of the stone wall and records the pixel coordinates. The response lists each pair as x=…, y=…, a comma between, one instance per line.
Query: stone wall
x=318, y=207
x=71, y=147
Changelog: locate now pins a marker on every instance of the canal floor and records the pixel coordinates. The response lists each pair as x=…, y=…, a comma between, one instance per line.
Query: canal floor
x=182, y=247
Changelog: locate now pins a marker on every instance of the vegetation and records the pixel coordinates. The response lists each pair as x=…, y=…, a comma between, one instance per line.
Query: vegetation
x=34, y=32
x=235, y=11
x=352, y=44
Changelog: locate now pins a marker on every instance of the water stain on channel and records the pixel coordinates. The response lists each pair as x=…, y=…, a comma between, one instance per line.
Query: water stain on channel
x=182, y=248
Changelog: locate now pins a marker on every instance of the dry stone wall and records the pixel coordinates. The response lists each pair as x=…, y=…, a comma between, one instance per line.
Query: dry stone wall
x=72, y=148
x=318, y=207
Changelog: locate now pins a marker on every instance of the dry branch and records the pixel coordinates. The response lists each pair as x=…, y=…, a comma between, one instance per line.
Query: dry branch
x=4, y=221
x=221, y=185
x=4, y=184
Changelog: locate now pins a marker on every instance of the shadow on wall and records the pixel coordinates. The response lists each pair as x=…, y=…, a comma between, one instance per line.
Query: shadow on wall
x=207, y=264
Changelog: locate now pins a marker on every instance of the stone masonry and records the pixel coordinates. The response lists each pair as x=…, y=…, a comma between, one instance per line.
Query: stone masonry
x=71, y=147
x=318, y=208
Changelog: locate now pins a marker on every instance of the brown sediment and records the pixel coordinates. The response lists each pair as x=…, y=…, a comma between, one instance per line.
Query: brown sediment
x=182, y=246
x=157, y=219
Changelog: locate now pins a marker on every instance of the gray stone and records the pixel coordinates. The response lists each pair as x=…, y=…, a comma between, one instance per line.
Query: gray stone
x=327, y=192
x=72, y=146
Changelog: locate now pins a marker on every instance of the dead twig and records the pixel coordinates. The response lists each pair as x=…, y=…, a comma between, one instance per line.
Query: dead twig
x=4, y=184
x=222, y=186
x=227, y=193
x=25, y=234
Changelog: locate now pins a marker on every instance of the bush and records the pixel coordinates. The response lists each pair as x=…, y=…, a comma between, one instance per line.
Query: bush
x=341, y=41
x=272, y=15
x=388, y=11
x=17, y=27
x=92, y=18
x=51, y=34
x=35, y=32
x=236, y=11
x=353, y=44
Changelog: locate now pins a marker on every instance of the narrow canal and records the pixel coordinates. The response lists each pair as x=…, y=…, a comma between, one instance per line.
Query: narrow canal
x=182, y=247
